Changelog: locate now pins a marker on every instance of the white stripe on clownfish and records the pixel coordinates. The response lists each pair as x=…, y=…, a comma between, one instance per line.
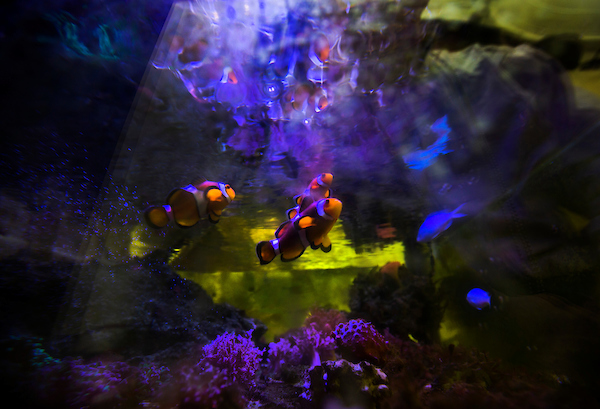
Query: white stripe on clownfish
x=275, y=244
x=321, y=210
x=224, y=191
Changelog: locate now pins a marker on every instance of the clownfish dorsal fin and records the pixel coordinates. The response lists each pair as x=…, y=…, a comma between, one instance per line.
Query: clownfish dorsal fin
x=328, y=193
x=198, y=181
x=297, y=199
x=291, y=213
x=305, y=222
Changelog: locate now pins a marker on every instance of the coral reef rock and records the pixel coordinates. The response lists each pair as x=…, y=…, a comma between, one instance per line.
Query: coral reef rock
x=361, y=384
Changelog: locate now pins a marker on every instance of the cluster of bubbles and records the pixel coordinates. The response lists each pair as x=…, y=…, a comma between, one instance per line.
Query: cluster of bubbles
x=294, y=58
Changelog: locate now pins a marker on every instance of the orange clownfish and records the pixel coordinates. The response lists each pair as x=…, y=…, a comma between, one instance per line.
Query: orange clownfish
x=187, y=205
x=310, y=228
x=319, y=188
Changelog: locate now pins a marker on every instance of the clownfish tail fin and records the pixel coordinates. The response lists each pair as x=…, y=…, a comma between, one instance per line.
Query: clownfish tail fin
x=156, y=216
x=265, y=252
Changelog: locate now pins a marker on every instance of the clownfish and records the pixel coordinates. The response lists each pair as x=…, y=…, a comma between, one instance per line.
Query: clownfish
x=318, y=188
x=187, y=205
x=319, y=50
x=228, y=76
x=310, y=228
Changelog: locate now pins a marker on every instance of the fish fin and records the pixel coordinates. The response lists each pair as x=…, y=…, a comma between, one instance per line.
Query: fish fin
x=282, y=228
x=305, y=222
x=265, y=252
x=198, y=181
x=326, y=244
x=455, y=213
x=291, y=213
x=213, y=217
x=298, y=199
x=328, y=194
x=156, y=216
x=292, y=258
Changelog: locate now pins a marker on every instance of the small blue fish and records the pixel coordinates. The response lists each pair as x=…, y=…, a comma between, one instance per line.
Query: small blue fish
x=436, y=223
x=420, y=159
x=441, y=127
x=479, y=298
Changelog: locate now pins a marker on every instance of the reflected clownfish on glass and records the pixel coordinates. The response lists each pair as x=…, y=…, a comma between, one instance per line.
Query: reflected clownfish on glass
x=188, y=205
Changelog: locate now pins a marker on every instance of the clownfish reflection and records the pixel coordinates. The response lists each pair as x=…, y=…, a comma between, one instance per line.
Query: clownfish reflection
x=420, y=159
x=186, y=206
x=309, y=228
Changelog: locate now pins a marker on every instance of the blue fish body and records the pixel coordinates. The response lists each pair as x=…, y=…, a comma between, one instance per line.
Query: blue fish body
x=423, y=158
x=436, y=223
x=441, y=127
x=479, y=298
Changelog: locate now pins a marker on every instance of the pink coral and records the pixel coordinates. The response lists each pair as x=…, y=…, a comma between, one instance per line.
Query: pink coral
x=358, y=340
x=324, y=320
x=237, y=354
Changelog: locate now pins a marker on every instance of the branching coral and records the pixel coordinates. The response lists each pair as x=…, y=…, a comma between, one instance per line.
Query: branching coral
x=236, y=354
x=309, y=344
x=283, y=352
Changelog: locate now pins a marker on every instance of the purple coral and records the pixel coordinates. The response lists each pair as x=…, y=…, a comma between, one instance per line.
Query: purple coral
x=194, y=388
x=358, y=340
x=283, y=352
x=75, y=383
x=236, y=354
x=307, y=346
x=314, y=345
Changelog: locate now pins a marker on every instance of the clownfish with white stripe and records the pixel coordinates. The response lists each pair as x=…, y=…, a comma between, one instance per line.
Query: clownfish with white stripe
x=309, y=228
x=186, y=206
x=318, y=188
